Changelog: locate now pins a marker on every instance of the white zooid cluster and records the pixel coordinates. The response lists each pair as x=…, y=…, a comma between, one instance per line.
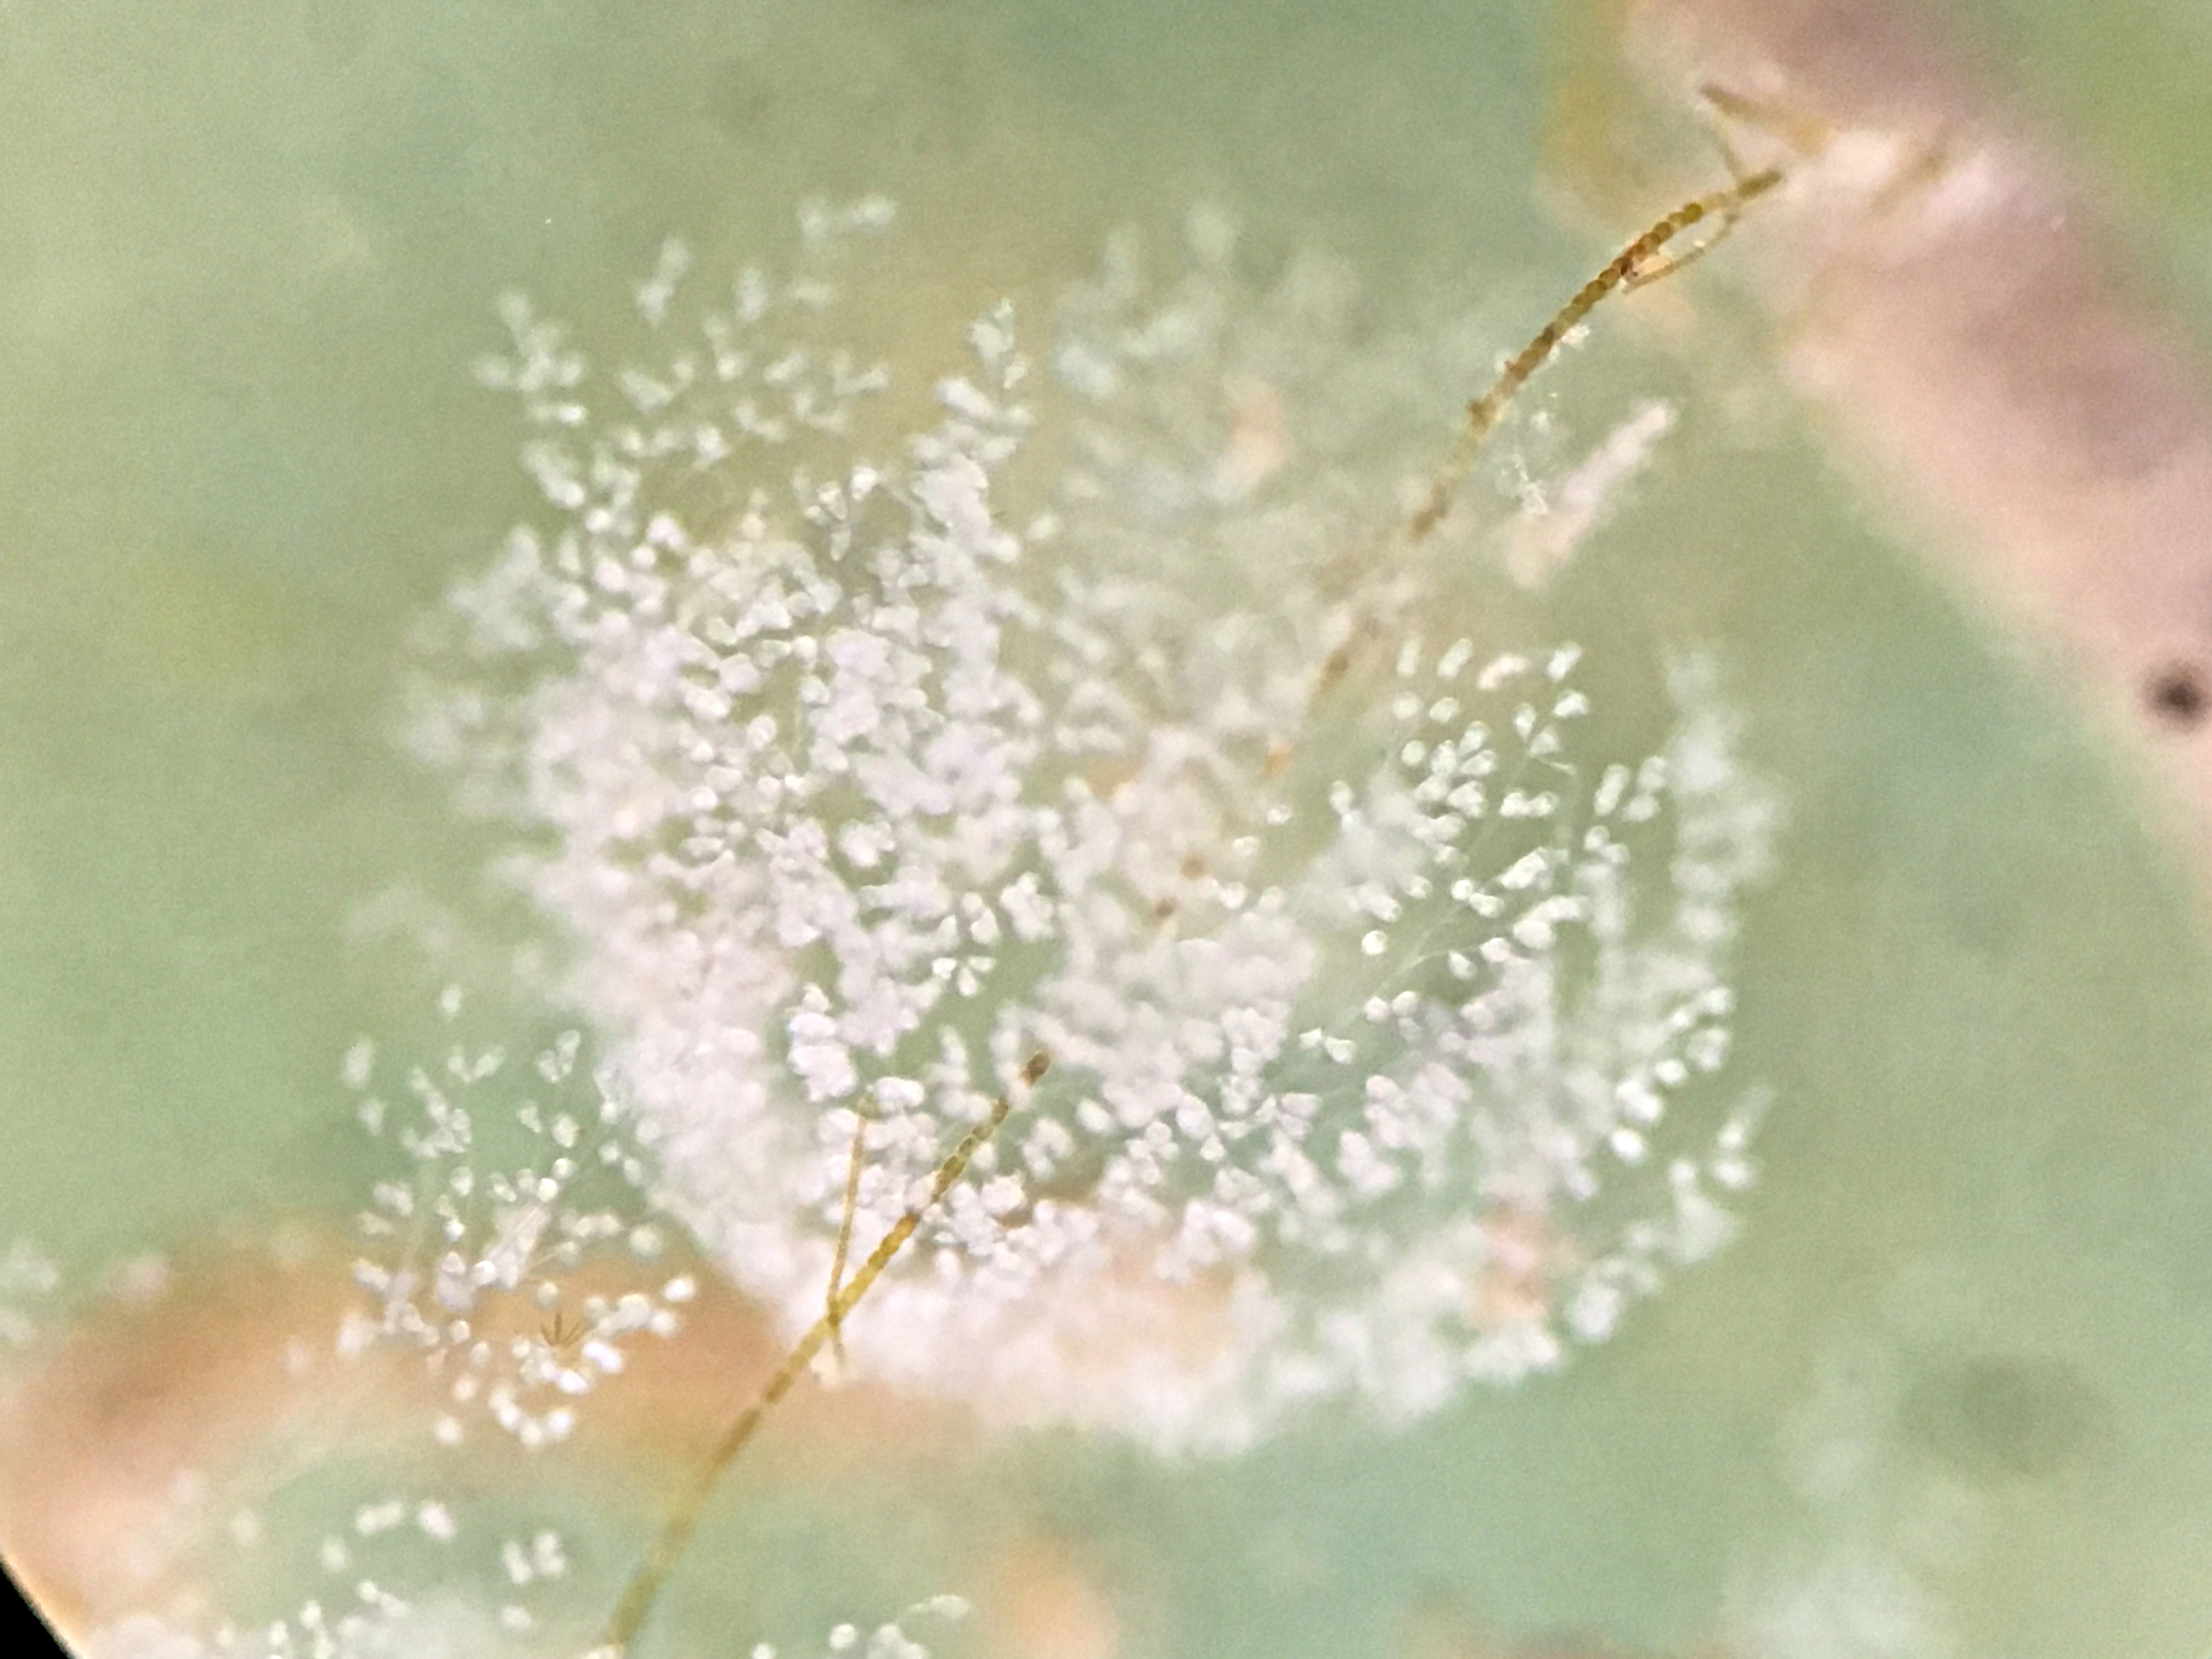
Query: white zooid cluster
x=1382, y=1022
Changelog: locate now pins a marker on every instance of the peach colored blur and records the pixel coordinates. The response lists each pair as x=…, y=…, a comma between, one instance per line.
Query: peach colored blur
x=1948, y=295
x=130, y=1446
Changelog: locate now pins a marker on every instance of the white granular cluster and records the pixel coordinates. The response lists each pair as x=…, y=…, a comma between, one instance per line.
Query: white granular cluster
x=472, y=1247
x=1382, y=1024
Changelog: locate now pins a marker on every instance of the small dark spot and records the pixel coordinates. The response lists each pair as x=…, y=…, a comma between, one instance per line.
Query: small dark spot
x=1163, y=909
x=739, y=98
x=1994, y=1420
x=1192, y=866
x=2178, y=696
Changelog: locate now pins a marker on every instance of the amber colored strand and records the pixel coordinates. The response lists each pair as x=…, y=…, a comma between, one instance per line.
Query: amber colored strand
x=845, y=1235
x=676, y=1532
x=1632, y=262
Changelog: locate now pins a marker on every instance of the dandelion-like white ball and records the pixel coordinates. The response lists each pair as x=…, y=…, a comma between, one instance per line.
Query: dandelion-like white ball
x=1383, y=1025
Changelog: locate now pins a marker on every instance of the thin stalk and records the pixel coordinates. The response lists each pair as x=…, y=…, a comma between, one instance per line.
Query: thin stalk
x=676, y=1531
x=845, y=1236
x=1638, y=262
x=1641, y=261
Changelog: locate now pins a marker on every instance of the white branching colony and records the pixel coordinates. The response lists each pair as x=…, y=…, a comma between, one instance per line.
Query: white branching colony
x=469, y=1228
x=1381, y=1022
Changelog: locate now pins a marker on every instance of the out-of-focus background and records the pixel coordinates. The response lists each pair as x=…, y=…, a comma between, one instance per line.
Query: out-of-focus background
x=1945, y=1394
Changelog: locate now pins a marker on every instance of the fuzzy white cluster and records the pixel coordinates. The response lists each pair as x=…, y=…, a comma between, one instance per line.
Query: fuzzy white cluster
x=1091, y=721
x=473, y=1246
